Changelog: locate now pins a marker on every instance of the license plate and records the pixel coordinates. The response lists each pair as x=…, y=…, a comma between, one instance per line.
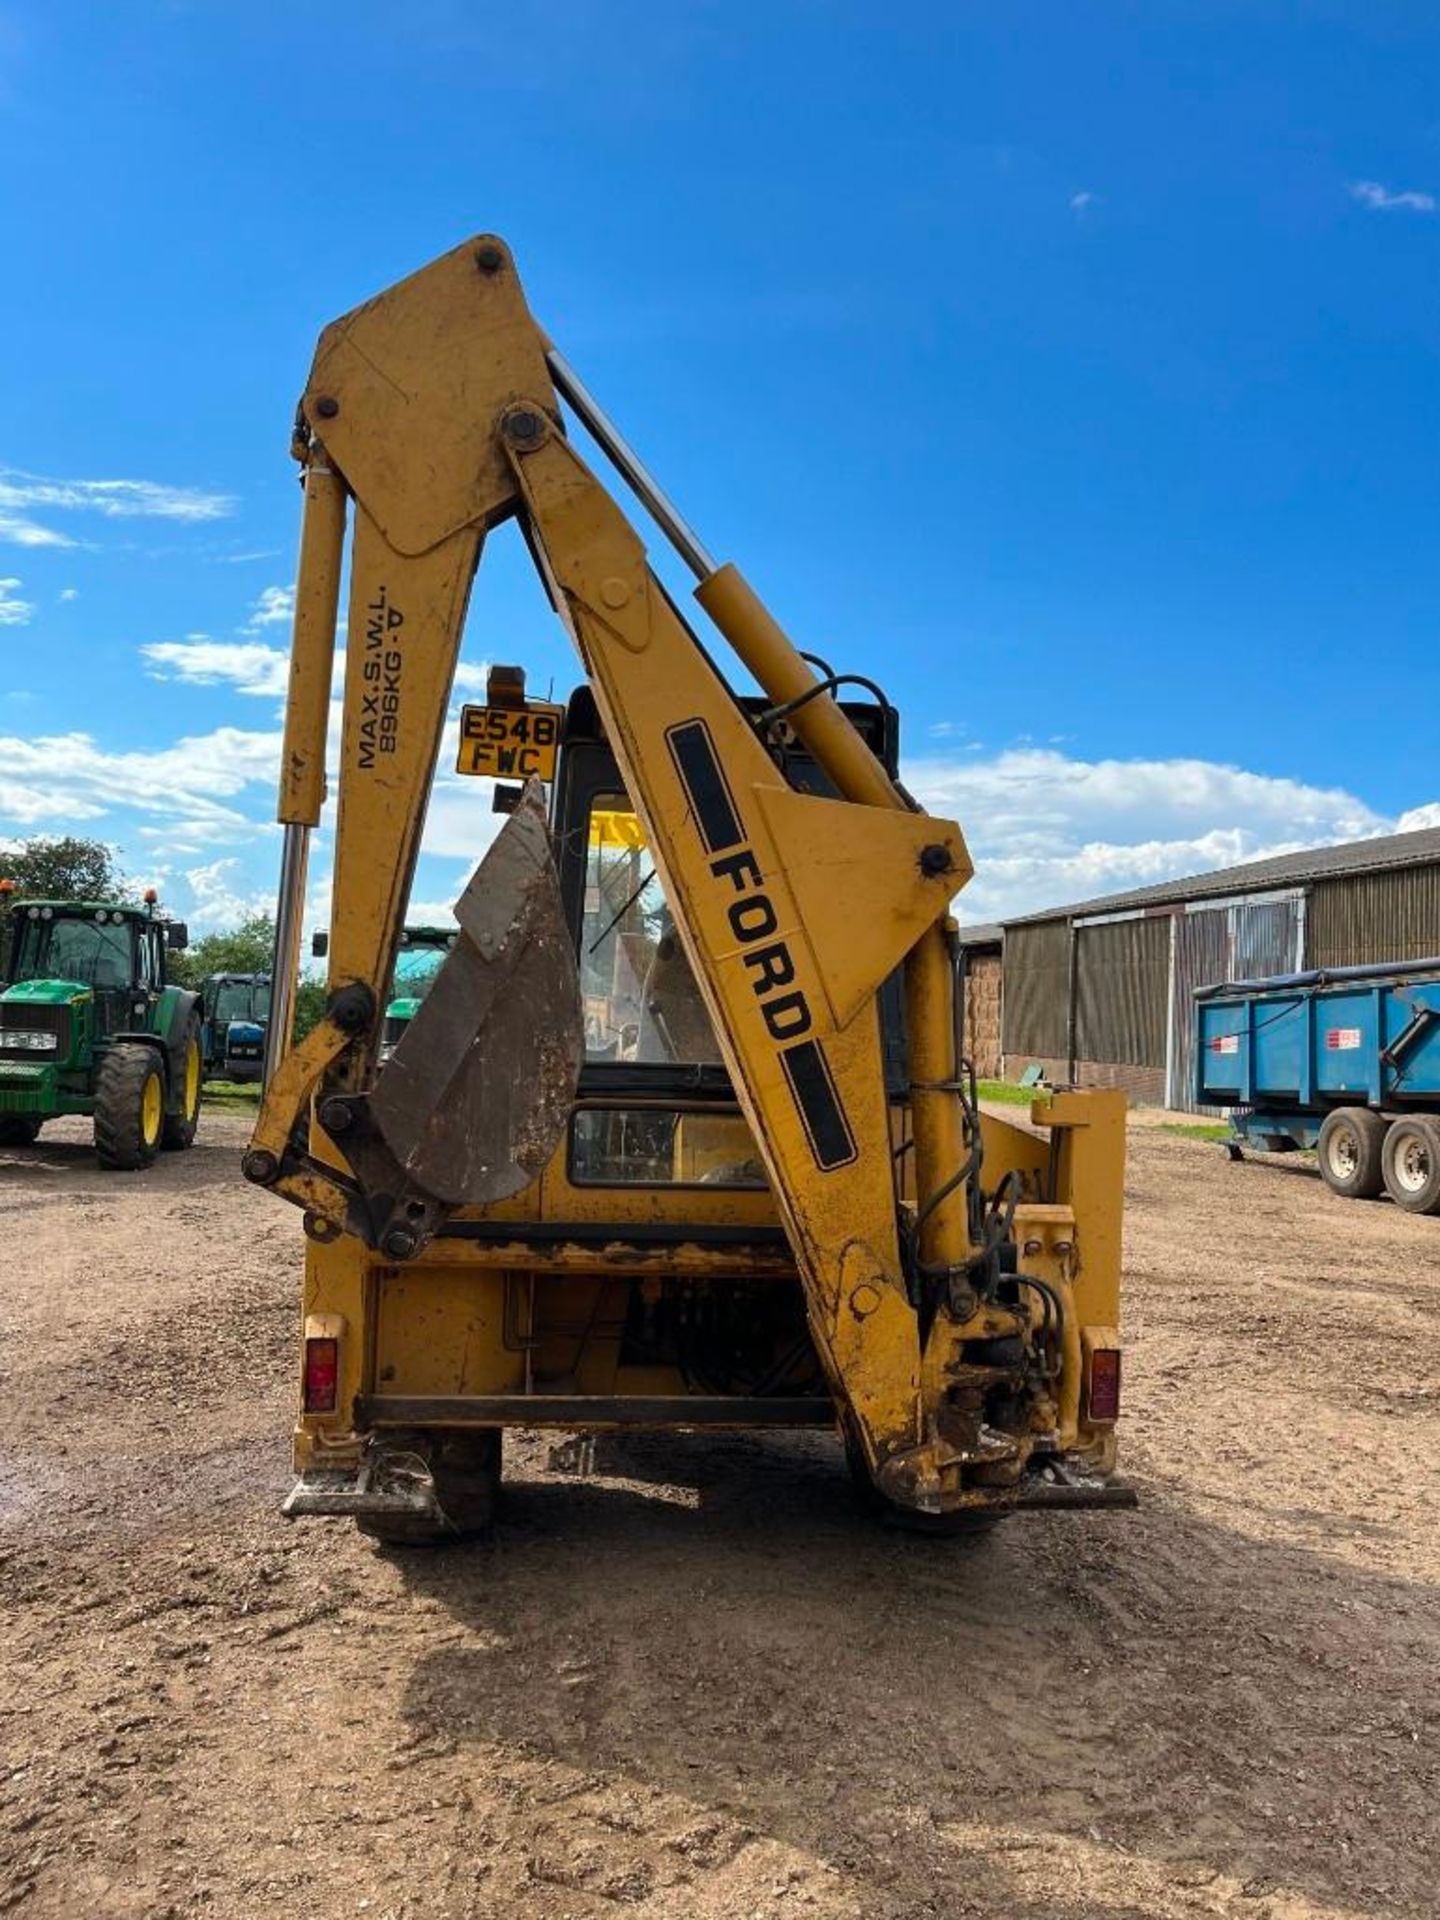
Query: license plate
x=510, y=743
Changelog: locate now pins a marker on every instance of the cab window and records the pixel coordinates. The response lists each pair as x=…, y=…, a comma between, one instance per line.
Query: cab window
x=640, y=997
x=94, y=953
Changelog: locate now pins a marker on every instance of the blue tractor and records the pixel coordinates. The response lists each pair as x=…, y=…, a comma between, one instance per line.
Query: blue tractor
x=236, y=1008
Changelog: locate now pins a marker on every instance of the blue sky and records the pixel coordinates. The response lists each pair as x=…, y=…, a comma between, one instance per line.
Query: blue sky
x=1072, y=368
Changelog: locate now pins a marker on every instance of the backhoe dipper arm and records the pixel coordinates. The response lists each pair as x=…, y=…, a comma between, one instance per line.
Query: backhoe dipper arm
x=437, y=403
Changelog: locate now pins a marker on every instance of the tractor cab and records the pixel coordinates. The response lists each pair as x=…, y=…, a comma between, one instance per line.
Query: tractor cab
x=63, y=950
x=236, y=1015
x=89, y=1025
x=420, y=956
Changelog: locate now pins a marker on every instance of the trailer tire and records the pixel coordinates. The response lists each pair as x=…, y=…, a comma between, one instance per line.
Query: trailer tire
x=1412, y=1163
x=1351, y=1152
x=20, y=1129
x=466, y=1470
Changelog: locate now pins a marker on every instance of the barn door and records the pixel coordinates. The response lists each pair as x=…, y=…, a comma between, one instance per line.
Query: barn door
x=1232, y=940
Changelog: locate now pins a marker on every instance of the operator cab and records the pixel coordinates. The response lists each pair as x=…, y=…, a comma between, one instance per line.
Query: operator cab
x=655, y=1104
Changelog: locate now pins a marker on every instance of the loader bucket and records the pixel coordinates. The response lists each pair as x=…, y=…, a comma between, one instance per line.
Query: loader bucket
x=476, y=1095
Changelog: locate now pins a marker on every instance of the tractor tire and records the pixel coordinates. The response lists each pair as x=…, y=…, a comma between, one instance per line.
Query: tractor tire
x=129, y=1106
x=1350, y=1150
x=466, y=1471
x=1412, y=1163
x=179, y=1128
x=20, y=1129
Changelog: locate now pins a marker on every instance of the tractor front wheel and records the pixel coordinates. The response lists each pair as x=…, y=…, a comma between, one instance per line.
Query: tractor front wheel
x=129, y=1106
x=19, y=1129
x=179, y=1128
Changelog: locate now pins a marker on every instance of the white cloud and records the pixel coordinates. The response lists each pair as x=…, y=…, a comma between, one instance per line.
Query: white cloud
x=59, y=779
x=274, y=608
x=1080, y=201
x=1416, y=818
x=255, y=667
x=69, y=593
x=17, y=530
x=14, y=612
x=1380, y=199
x=1045, y=829
x=247, y=665
x=220, y=896
x=111, y=499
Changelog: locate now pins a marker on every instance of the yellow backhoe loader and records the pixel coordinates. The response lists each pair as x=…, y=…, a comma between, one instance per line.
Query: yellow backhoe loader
x=684, y=1134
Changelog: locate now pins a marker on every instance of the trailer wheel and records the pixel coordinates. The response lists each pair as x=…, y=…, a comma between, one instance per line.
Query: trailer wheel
x=466, y=1470
x=1350, y=1152
x=1412, y=1163
x=19, y=1129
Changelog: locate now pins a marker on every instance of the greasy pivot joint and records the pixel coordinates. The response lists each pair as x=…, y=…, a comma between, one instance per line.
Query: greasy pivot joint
x=336, y=1115
x=524, y=428
x=935, y=860
x=261, y=1167
x=352, y=1008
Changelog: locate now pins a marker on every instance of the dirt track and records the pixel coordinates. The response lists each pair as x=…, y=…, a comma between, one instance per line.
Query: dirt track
x=697, y=1684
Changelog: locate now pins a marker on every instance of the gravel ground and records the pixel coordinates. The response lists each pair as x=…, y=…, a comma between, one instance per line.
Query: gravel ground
x=697, y=1683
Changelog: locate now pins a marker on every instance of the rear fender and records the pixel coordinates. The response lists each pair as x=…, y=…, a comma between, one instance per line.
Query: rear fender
x=172, y=1016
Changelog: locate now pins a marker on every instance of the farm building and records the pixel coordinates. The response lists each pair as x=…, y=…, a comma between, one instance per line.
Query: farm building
x=1100, y=993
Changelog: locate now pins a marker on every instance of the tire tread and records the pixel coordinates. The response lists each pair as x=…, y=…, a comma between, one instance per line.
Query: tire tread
x=119, y=1090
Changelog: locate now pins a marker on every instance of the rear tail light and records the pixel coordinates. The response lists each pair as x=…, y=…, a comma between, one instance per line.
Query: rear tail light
x=322, y=1375
x=1102, y=1392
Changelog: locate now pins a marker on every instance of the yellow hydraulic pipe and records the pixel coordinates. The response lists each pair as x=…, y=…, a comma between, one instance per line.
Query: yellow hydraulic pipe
x=307, y=718
x=768, y=653
x=934, y=1106
x=312, y=652
x=766, y=649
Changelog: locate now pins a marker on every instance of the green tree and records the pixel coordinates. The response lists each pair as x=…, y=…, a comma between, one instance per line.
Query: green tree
x=248, y=948
x=63, y=869
x=59, y=868
x=309, y=1006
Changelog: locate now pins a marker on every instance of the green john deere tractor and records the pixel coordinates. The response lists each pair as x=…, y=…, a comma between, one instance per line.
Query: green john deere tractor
x=88, y=1025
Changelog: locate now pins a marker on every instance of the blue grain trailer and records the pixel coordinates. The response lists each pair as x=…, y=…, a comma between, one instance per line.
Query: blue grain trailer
x=1346, y=1061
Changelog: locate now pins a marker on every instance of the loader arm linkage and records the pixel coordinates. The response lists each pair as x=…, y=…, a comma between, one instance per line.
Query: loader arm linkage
x=434, y=413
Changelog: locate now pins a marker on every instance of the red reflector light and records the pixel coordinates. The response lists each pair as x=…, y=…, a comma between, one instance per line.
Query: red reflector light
x=1104, y=1398
x=322, y=1375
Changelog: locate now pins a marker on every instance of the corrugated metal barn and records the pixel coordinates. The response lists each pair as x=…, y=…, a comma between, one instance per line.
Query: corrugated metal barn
x=1100, y=993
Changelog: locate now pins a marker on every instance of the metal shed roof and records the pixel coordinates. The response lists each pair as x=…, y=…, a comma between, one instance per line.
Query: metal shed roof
x=982, y=933
x=1388, y=850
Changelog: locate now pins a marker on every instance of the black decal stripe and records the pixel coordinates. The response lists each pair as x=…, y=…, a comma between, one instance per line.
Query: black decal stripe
x=808, y=1072
x=693, y=752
